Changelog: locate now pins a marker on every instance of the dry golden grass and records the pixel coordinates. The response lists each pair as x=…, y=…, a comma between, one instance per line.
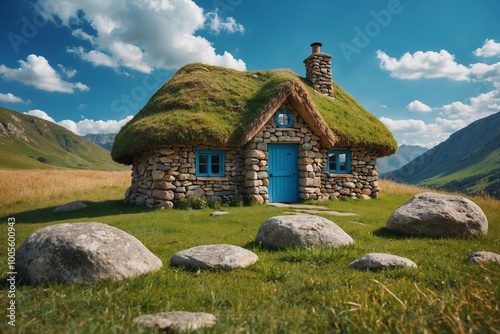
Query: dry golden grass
x=28, y=188
x=394, y=188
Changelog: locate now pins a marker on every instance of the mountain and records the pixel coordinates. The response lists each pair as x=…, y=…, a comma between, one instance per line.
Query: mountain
x=468, y=161
x=30, y=142
x=403, y=155
x=103, y=140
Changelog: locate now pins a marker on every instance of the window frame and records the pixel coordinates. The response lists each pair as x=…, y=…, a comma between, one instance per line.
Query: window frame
x=290, y=118
x=210, y=154
x=337, y=154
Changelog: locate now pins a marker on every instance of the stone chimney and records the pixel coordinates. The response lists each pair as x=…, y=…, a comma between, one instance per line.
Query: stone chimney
x=319, y=70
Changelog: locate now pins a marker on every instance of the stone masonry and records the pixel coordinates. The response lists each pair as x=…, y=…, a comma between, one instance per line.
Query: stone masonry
x=319, y=70
x=168, y=174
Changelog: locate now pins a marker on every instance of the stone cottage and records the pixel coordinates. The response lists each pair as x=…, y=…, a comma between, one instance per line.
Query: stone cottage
x=271, y=136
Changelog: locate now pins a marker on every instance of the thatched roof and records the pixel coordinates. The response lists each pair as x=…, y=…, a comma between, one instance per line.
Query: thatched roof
x=215, y=105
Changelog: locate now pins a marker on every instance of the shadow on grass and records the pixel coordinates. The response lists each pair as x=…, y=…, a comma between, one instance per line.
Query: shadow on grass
x=94, y=209
x=388, y=234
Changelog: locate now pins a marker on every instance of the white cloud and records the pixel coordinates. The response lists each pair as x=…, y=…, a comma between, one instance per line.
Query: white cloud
x=417, y=132
x=143, y=35
x=418, y=106
x=403, y=126
x=485, y=72
x=36, y=71
x=11, y=98
x=40, y=114
x=95, y=57
x=217, y=25
x=68, y=72
x=428, y=64
x=130, y=56
x=84, y=126
x=478, y=107
x=79, y=33
x=490, y=48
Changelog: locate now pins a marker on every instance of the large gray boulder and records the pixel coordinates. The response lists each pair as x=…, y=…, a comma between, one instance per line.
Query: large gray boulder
x=436, y=215
x=217, y=257
x=381, y=261
x=81, y=253
x=301, y=231
x=178, y=321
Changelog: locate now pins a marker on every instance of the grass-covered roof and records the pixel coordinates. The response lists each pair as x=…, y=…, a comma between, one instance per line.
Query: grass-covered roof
x=210, y=104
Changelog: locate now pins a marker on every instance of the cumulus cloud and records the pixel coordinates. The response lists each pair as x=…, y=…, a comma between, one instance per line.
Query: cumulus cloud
x=11, y=98
x=40, y=114
x=428, y=64
x=418, y=106
x=84, y=126
x=143, y=35
x=36, y=71
x=485, y=72
x=490, y=48
x=403, y=126
x=418, y=132
x=478, y=107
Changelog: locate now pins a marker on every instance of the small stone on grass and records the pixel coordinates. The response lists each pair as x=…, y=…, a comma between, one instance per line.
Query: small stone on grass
x=177, y=321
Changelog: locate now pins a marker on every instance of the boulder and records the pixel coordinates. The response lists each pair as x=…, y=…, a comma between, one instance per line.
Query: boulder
x=81, y=253
x=381, y=261
x=72, y=206
x=177, y=321
x=483, y=257
x=436, y=215
x=301, y=231
x=217, y=257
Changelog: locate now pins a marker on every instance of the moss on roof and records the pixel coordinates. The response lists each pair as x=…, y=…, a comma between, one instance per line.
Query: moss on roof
x=210, y=104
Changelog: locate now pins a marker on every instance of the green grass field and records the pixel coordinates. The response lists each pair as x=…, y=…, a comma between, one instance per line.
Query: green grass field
x=289, y=291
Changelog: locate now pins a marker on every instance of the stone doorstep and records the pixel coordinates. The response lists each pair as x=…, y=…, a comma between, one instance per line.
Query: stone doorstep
x=298, y=206
x=306, y=209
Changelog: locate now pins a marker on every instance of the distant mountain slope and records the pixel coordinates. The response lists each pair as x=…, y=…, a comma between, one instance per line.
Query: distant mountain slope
x=403, y=155
x=103, y=140
x=31, y=142
x=469, y=161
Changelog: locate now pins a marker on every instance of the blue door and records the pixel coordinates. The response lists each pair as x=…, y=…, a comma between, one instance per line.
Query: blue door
x=283, y=172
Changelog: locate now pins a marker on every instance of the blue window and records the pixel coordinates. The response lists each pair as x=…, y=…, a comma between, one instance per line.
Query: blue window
x=339, y=162
x=210, y=163
x=283, y=118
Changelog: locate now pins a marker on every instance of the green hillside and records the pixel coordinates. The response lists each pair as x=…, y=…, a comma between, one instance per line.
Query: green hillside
x=483, y=175
x=28, y=142
x=468, y=162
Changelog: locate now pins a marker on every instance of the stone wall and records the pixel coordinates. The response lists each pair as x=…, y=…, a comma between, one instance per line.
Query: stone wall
x=162, y=176
x=168, y=174
x=362, y=182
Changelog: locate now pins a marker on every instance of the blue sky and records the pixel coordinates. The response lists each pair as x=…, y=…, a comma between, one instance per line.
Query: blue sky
x=425, y=68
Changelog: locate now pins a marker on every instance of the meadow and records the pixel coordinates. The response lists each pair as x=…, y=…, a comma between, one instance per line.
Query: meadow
x=288, y=291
